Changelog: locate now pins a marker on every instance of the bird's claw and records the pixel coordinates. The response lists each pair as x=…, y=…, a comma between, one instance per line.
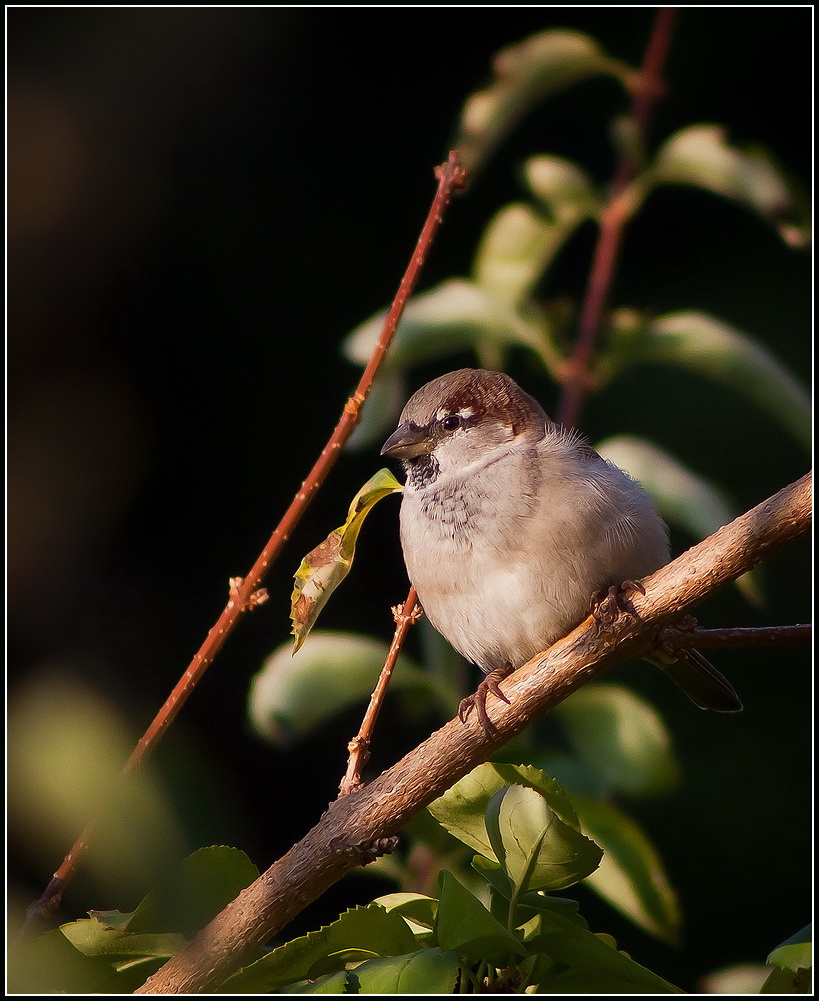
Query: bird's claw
x=477, y=701
x=607, y=605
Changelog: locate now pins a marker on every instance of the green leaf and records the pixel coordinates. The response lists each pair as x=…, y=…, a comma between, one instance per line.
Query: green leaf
x=516, y=247
x=113, y=919
x=325, y=567
x=461, y=809
x=684, y=498
x=631, y=876
x=739, y=978
x=714, y=349
x=294, y=695
x=49, y=964
x=796, y=952
x=466, y=926
x=520, y=243
x=788, y=982
x=455, y=316
x=622, y=737
x=69, y=742
x=428, y=971
x=341, y=982
x=564, y=907
x=93, y=939
x=380, y=412
x=357, y=935
x=200, y=887
x=536, y=849
x=495, y=875
x=416, y=909
x=592, y=963
x=526, y=73
x=700, y=155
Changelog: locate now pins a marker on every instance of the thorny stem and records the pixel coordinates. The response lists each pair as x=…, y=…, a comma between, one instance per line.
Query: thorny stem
x=359, y=746
x=244, y=592
x=613, y=221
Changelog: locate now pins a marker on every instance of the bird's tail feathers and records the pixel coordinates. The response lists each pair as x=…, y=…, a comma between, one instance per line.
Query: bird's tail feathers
x=702, y=682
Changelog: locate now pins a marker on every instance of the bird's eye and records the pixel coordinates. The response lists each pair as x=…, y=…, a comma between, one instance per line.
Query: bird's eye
x=451, y=422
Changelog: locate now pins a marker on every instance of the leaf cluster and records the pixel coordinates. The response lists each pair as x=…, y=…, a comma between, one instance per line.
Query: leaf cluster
x=503, y=307
x=509, y=931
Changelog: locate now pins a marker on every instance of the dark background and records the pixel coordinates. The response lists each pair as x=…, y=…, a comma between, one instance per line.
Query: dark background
x=202, y=202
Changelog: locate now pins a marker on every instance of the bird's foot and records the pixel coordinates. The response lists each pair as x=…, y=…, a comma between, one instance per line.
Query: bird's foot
x=491, y=683
x=607, y=605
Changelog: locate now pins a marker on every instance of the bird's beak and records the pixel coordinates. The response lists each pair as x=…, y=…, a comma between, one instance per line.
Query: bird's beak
x=407, y=442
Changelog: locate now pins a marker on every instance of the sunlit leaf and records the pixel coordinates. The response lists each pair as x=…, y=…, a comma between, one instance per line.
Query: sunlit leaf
x=701, y=155
x=564, y=189
x=591, y=963
x=622, y=737
x=66, y=745
x=536, y=849
x=739, y=978
x=514, y=251
x=524, y=74
x=631, y=876
x=565, y=907
x=796, y=952
x=428, y=971
x=93, y=939
x=112, y=919
x=199, y=887
x=294, y=695
x=461, y=809
x=334, y=983
x=50, y=964
x=455, y=316
x=788, y=982
x=357, y=935
x=521, y=242
x=684, y=498
x=417, y=909
x=325, y=567
x=718, y=351
x=465, y=925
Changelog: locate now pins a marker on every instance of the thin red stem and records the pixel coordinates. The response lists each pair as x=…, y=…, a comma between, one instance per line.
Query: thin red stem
x=245, y=593
x=359, y=746
x=612, y=224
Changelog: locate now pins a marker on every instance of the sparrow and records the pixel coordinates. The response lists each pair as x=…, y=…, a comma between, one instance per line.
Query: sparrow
x=514, y=529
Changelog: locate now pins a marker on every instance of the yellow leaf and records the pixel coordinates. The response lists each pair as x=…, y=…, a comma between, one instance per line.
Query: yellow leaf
x=326, y=566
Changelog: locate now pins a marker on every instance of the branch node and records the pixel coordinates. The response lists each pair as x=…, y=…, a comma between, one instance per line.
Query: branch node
x=677, y=637
x=353, y=405
x=369, y=851
x=259, y=597
x=401, y=617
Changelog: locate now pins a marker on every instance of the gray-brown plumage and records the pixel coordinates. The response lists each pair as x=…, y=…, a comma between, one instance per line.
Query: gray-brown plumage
x=510, y=524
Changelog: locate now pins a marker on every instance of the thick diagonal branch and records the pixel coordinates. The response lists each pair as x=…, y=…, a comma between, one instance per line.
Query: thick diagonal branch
x=348, y=833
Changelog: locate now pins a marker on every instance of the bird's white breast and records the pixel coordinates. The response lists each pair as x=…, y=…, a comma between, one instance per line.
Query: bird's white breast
x=506, y=558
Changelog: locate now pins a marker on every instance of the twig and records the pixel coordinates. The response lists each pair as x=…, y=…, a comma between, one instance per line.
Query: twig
x=359, y=747
x=613, y=221
x=345, y=835
x=679, y=636
x=244, y=592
